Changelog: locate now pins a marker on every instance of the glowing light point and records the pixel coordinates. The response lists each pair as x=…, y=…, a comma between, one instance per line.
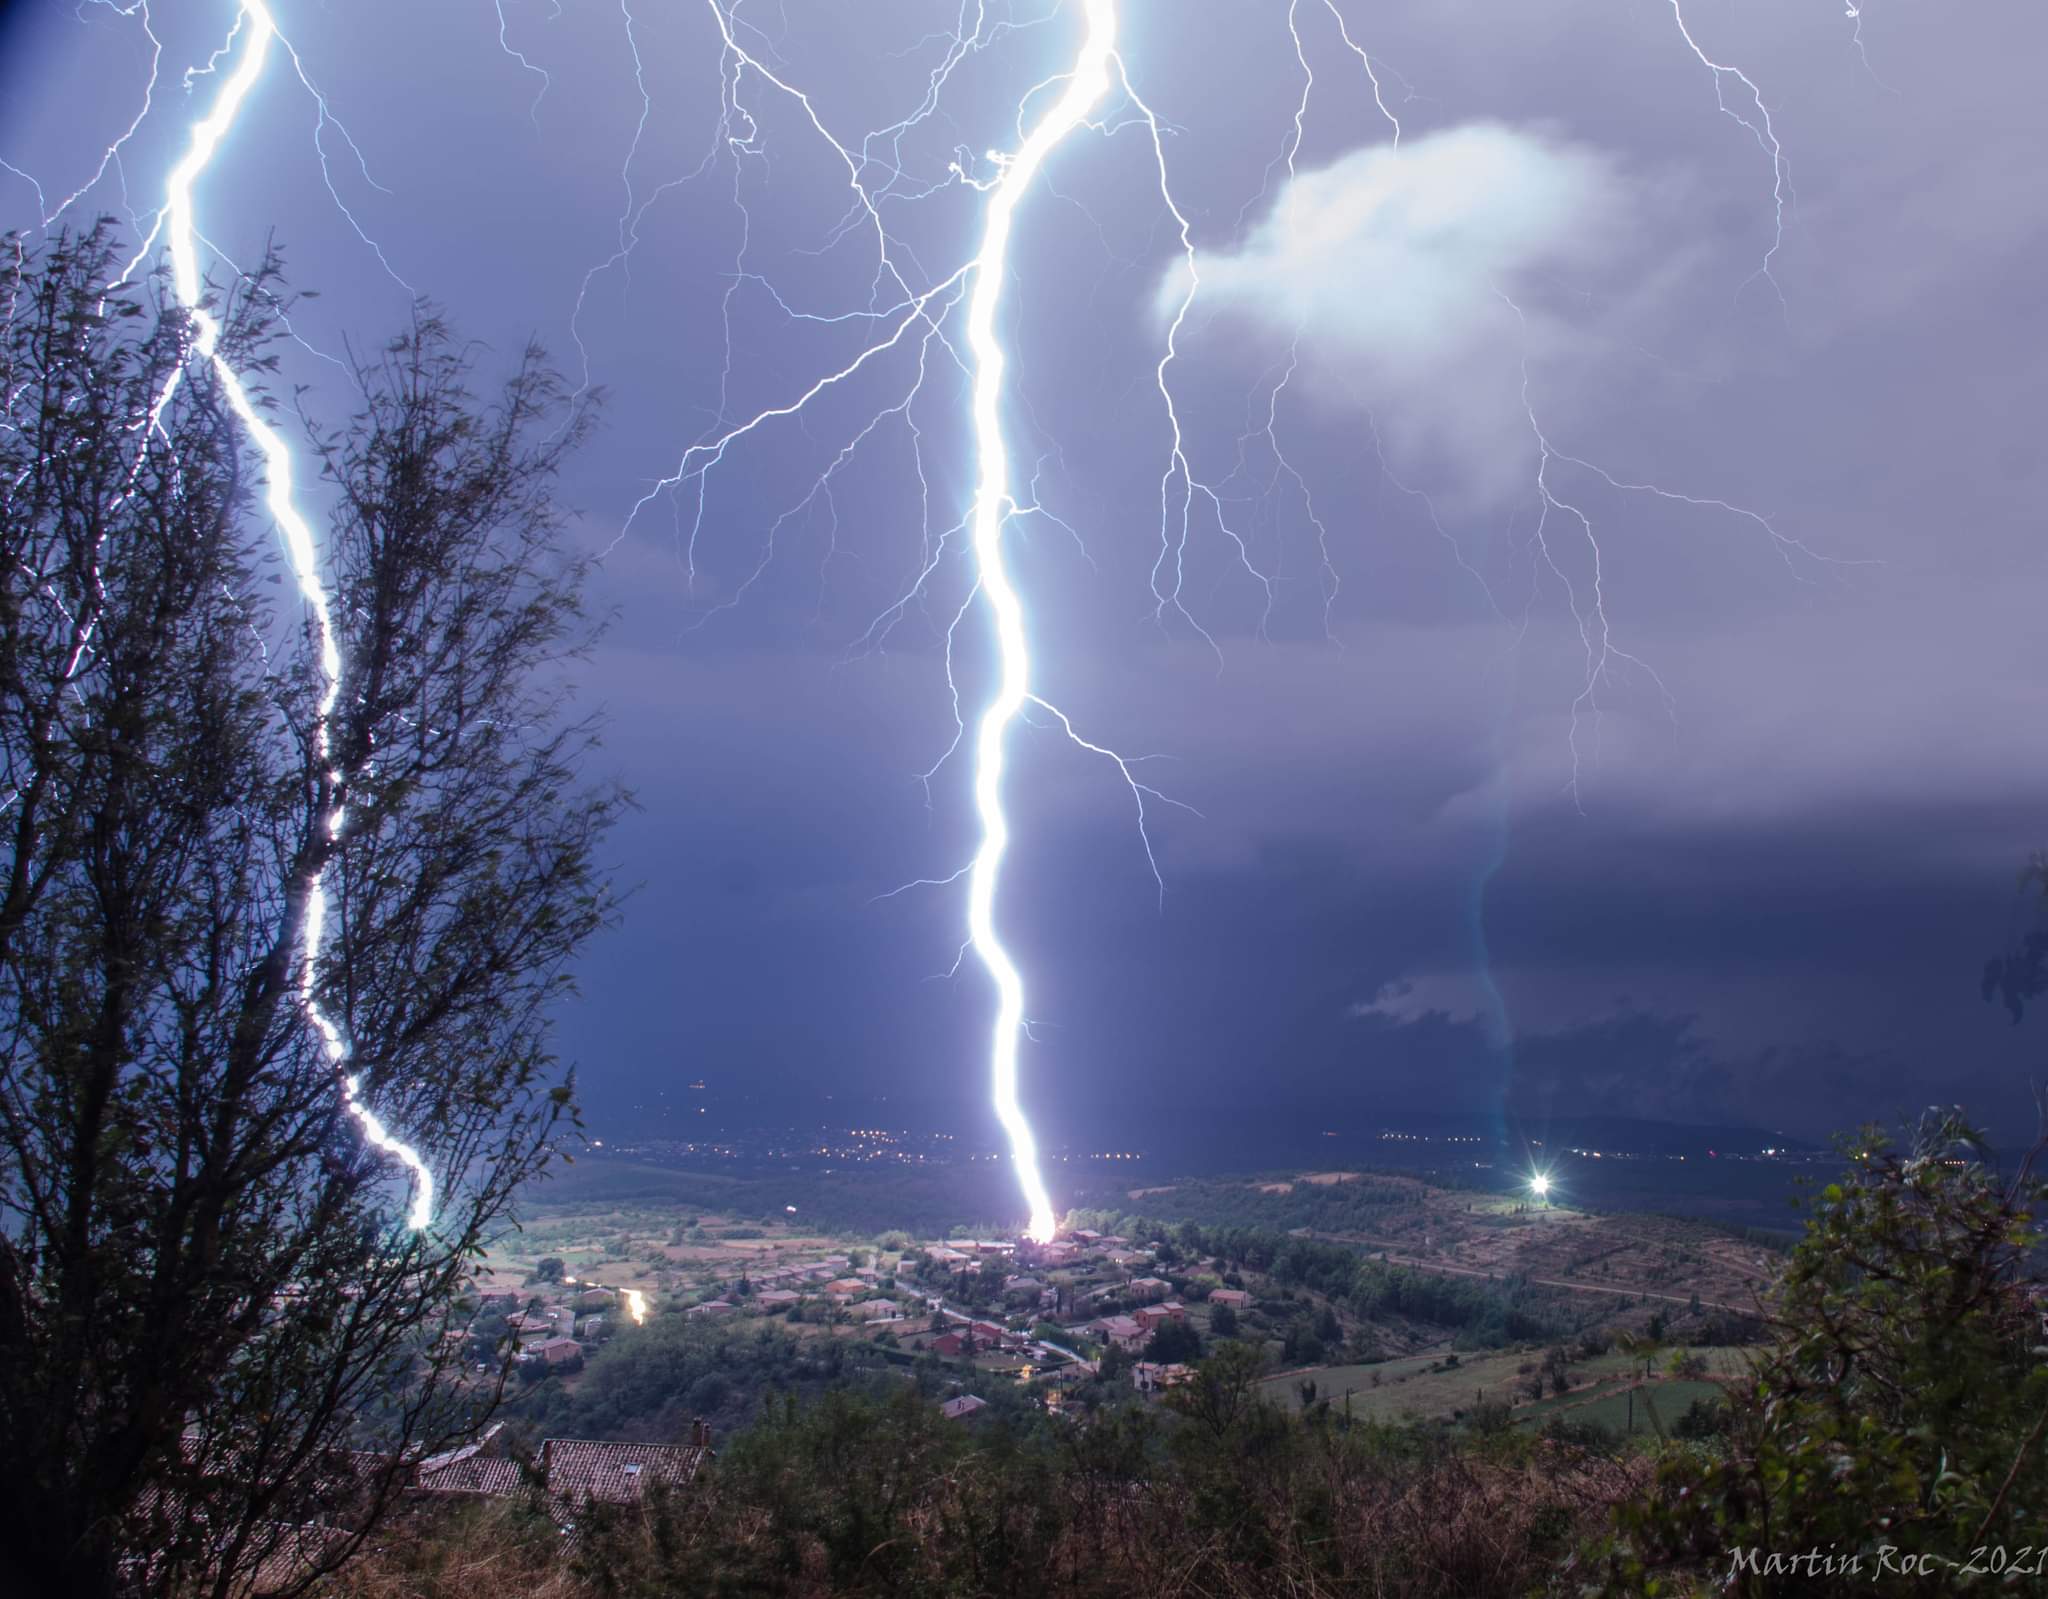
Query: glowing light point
x=1087, y=84
x=1539, y=1185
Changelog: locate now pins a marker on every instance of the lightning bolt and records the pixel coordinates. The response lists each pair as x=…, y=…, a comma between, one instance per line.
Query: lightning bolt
x=1760, y=129
x=905, y=317
x=912, y=323
x=1086, y=84
x=255, y=30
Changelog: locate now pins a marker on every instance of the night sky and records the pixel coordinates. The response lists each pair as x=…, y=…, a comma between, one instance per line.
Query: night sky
x=1750, y=869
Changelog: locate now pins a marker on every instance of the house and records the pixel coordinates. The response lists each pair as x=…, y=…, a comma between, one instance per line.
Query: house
x=1148, y=1288
x=991, y=1334
x=1151, y=1316
x=1235, y=1298
x=878, y=1310
x=1128, y=1257
x=711, y=1307
x=846, y=1287
x=778, y=1299
x=594, y=1298
x=506, y=1301
x=1088, y=1235
x=949, y=1344
x=1120, y=1331
x=558, y=1351
x=963, y=1408
x=481, y=1476
x=590, y=1328
x=1150, y=1377
x=472, y=1468
x=578, y=1470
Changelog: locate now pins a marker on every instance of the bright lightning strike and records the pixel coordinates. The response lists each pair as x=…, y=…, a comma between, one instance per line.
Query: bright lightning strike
x=1086, y=85
x=909, y=315
x=1539, y=1185
x=256, y=29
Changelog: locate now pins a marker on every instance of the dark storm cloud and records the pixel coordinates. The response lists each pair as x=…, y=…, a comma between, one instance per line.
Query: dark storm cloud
x=1760, y=883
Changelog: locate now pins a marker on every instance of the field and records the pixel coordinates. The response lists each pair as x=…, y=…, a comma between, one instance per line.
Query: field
x=1419, y=1385
x=1626, y=1410
x=1492, y=1236
x=1424, y=1387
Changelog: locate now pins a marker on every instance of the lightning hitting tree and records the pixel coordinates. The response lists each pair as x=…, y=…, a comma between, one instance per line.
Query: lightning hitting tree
x=208, y=1286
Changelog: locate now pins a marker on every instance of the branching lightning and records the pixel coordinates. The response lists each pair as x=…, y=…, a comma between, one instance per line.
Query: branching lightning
x=918, y=327
x=1086, y=85
x=1760, y=129
x=255, y=30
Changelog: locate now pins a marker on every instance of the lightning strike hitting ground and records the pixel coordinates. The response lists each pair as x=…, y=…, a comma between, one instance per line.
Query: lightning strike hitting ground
x=919, y=323
x=1087, y=85
x=254, y=30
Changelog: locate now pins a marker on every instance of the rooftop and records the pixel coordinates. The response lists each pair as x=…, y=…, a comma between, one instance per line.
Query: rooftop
x=581, y=1469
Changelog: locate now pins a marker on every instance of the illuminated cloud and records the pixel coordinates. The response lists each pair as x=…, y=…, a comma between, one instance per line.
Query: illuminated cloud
x=1394, y=262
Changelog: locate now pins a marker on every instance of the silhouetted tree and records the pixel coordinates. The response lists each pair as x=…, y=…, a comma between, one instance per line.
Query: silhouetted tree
x=206, y=1286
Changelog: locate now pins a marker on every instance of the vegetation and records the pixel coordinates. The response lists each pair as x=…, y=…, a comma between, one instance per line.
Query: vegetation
x=1222, y=1494
x=1901, y=1411
x=1899, y=1405
x=205, y=1286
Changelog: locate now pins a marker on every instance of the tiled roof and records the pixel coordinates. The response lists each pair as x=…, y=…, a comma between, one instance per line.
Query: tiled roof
x=490, y=1475
x=578, y=1469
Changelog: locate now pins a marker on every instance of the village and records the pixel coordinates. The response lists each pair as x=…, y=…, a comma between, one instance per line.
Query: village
x=1087, y=1306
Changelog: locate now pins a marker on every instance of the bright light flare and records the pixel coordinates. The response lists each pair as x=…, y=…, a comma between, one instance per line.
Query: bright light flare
x=256, y=29
x=1539, y=1185
x=1086, y=84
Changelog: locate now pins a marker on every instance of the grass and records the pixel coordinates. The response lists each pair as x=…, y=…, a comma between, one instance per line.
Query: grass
x=1406, y=1386
x=1617, y=1414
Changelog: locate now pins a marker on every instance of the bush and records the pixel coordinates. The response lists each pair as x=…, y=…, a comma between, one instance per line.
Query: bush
x=1904, y=1407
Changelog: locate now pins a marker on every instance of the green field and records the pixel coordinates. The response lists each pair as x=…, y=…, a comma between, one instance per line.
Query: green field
x=1614, y=1411
x=1407, y=1386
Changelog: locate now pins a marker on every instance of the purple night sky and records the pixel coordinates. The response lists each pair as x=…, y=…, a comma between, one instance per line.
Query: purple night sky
x=1719, y=823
